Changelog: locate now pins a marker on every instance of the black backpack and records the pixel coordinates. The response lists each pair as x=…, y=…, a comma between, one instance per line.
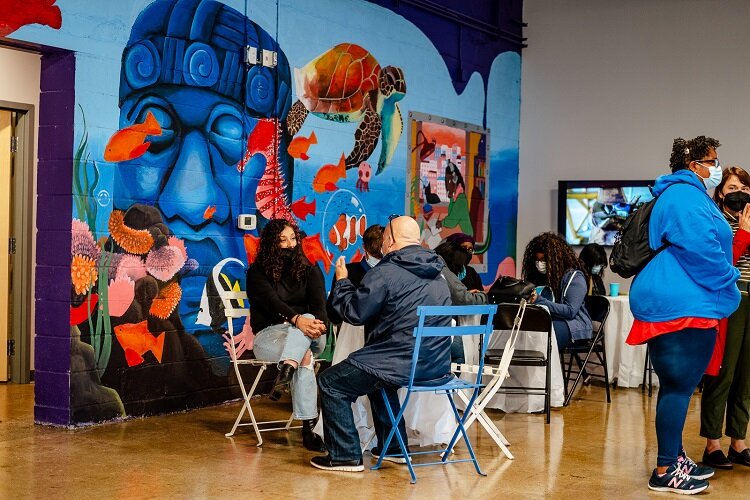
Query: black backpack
x=632, y=252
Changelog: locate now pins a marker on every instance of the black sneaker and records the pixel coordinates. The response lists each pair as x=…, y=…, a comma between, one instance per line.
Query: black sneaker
x=692, y=469
x=717, y=460
x=394, y=456
x=676, y=481
x=325, y=462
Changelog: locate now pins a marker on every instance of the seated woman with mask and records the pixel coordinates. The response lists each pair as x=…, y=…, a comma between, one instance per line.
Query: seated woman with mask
x=287, y=310
x=455, y=261
x=594, y=258
x=548, y=260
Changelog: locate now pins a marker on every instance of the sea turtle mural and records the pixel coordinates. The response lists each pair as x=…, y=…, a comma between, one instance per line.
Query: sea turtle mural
x=347, y=84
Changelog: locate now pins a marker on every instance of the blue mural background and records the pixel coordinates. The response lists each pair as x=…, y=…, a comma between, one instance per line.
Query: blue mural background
x=304, y=31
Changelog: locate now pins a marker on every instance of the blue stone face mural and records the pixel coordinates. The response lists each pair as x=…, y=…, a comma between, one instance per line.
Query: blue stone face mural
x=192, y=112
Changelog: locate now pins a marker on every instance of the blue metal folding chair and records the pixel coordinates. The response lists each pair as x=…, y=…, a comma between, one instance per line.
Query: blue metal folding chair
x=440, y=386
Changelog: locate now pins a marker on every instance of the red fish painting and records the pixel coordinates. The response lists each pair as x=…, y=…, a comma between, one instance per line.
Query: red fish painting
x=81, y=313
x=129, y=143
x=252, y=244
x=314, y=251
x=299, y=146
x=209, y=212
x=346, y=230
x=358, y=255
x=17, y=13
x=302, y=208
x=329, y=175
x=270, y=198
x=136, y=340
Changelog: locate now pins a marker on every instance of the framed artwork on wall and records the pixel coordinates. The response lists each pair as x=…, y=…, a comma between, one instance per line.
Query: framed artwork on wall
x=448, y=174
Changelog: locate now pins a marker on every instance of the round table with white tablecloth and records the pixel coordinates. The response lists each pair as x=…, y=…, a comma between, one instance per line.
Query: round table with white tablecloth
x=624, y=362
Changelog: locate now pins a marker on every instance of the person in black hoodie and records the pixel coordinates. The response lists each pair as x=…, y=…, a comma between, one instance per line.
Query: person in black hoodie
x=288, y=312
x=408, y=276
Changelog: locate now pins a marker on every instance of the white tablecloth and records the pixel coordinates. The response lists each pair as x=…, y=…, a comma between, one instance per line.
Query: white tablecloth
x=624, y=362
x=428, y=417
x=522, y=376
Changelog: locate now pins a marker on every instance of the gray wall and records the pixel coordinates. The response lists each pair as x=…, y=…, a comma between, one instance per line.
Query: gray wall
x=607, y=84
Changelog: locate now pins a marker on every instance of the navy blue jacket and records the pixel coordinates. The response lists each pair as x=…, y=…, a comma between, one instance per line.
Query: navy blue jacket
x=387, y=299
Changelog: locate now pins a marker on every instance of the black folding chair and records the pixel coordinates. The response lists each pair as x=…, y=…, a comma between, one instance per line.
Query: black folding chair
x=535, y=319
x=598, y=308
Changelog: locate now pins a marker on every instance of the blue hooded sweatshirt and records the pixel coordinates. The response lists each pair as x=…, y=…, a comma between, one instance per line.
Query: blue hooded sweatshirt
x=694, y=276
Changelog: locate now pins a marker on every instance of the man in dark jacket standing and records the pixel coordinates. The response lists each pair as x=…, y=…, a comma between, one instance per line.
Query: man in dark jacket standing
x=408, y=276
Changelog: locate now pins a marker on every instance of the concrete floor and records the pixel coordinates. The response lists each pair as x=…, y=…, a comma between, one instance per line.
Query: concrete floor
x=590, y=450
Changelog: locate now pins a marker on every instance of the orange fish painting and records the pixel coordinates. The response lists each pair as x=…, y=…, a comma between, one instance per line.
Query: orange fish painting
x=252, y=244
x=17, y=13
x=301, y=208
x=128, y=143
x=329, y=175
x=346, y=230
x=209, y=212
x=299, y=146
x=314, y=251
x=136, y=340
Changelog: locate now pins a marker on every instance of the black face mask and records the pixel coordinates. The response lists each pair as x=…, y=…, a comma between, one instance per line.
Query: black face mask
x=736, y=201
x=287, y=254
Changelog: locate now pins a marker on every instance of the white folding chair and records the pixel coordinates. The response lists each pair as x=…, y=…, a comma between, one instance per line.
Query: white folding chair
x=498, y=373
x=229, y=298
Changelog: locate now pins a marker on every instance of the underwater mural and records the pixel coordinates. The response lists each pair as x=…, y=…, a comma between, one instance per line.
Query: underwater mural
x=191, y=113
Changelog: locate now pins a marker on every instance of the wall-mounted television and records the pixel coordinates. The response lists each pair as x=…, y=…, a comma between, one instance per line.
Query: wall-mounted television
x=594, y=211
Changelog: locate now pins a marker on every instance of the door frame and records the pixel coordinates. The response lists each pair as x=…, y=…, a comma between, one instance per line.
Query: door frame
x=23, y=229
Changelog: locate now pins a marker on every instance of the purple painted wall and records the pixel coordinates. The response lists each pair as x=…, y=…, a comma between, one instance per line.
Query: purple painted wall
x=54, y=211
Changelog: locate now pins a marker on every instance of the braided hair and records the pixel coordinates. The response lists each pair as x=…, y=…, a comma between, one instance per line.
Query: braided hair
x=560, y=259
x=685, y=151
x=269, y=254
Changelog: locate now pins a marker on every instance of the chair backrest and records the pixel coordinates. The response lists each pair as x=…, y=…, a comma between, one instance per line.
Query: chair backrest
x=598, y=308
x=422, y=330
x=228, y=299
x=535, y=319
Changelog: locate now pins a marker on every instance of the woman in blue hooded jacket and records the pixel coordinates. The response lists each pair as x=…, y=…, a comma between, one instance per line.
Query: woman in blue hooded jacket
x=680, y=296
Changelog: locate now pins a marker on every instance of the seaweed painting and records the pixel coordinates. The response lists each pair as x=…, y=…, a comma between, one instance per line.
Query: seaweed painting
x=85, y=180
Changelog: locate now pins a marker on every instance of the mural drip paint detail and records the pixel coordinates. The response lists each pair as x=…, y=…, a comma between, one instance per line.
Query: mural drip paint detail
x=17, y=13
x=347, y=84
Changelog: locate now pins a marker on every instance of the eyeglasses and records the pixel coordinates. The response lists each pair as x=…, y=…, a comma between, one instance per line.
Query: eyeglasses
x=390, y=218
x=714, y=162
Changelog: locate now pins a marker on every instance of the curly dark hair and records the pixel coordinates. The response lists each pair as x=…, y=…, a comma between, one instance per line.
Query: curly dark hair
x=269, y=254
x=558, y=255
x=685, y=151
x=592, y=255
x=453, y=255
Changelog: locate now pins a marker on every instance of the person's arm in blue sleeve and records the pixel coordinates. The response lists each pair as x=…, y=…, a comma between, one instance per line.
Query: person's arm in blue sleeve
x=694, y=239
x=571, y=302
x=357, y=306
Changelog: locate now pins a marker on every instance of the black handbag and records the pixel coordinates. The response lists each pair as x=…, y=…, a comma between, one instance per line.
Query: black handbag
x=509, y=289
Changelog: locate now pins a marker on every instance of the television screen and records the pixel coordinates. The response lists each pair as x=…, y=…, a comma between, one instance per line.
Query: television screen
x=594, y=211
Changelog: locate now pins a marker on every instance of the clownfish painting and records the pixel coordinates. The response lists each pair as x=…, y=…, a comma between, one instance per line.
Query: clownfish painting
x=346, y=230
x=129, y=143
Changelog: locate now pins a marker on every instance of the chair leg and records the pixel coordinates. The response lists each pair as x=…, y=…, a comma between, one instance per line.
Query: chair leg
x=246, y=395
x=460, y=420
x=394, y=430
x=603, y=360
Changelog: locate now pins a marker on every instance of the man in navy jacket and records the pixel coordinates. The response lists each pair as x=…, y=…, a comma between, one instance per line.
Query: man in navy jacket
x=408, y=276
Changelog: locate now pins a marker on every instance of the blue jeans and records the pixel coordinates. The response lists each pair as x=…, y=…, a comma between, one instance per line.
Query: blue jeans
x=340, y=386
x=281, y=342
x=679, y=359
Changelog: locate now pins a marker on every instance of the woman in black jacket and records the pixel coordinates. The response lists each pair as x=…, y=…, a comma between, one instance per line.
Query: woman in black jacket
x=288, y=314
